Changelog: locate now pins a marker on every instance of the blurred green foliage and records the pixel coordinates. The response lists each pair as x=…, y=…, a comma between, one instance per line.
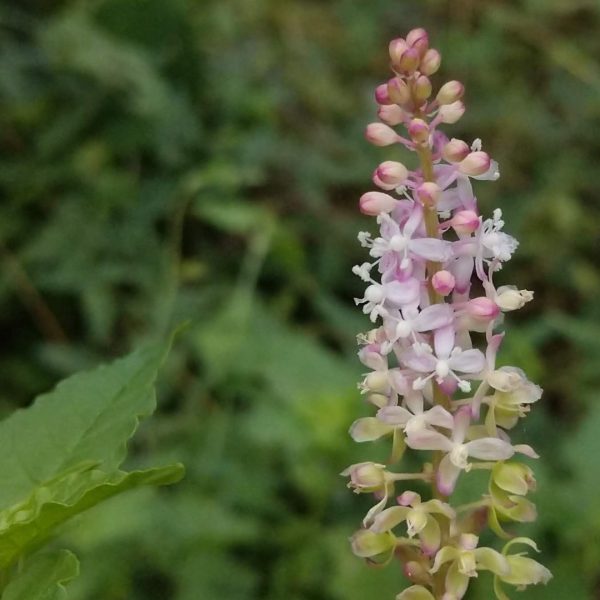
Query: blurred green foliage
x=203, y=159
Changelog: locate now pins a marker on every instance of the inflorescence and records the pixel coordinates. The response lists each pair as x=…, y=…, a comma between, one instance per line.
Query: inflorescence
x=432, y=297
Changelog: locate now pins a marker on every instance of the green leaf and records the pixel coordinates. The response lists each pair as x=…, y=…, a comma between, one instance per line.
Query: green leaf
x=43, y=577
x=87, y=417
x=28, y=524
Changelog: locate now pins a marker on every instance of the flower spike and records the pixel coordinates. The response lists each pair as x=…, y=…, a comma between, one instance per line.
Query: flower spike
x=432, y=352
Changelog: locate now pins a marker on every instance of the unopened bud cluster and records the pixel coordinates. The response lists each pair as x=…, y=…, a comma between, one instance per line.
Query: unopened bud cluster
x=433, y=379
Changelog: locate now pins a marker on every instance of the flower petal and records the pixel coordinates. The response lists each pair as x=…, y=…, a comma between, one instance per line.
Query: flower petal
x=416, y=521
x=430, y=537
x=462, y=269
x=399, y=382
x=520, y=540
x=520, y=510
x=526, y=450
x=425, y=439
x=423, y=362
x=394, y=415
x=366, y=543
x=438, y=416
x=469, y=361
x=415, y=592
x=401, y=293
x=446, y=554
x=368, y=429
x=456, y=583
x=413, y=400
x=440, y=508
x=491, y=560
x=414, y=220
x=526, y=571
x=431, y=249
x=489, y=449
x=398, y=446
x=372, y=359
x=443, y=340
x=433, y=317
x=462, y=420
x=375, y=510
x=446, y=476
x=515, y=478
x=389, y=518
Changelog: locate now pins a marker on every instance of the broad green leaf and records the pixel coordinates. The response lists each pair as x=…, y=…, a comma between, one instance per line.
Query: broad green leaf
x=43, y=577
x=87, y=417
x=29, y=523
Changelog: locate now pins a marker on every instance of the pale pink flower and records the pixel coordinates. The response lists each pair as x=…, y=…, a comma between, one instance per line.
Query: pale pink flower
x=444, y=362
x=457, y=450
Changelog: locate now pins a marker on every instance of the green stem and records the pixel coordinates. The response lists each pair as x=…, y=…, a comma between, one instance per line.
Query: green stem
x=432, y=229
x=409, y=476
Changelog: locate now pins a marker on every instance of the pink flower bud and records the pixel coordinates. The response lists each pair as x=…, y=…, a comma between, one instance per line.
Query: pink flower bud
x=381, y=94
x=409, y=61
x=464, y=221
x=455, y=150
x=450, y=92
x=418, y=39
x=468, y=541
x=380, y=134
x=418, y=131
x=443, y=282
x=407, y=498
x=397, y=48
x=450, y=113
x=373, y=203
x=414, y=35
x=392, y=173
x=422, y=89
x=398, y=91
x=428, y=193
x=391, y=114
x=482, y=308
x=430, y=63
x=476, y=163
x=380, y=184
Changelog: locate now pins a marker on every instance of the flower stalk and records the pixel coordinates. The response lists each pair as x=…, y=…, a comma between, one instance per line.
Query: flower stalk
x=432, y=352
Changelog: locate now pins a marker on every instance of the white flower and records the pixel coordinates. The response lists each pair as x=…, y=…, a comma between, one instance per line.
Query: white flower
x=445, y=364
x=401, y=244
x=457, y=450
x=413, y=418
x=411, y=321
x=496, y=244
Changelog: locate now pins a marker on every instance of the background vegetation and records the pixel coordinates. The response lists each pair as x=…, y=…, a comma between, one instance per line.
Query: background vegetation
x=202, y=159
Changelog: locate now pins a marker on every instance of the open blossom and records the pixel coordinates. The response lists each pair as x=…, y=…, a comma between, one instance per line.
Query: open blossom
x=465, y=559
x=402, y=244
x=438, y=312
x=456, y=451
x=420, y=519
x=445, y=362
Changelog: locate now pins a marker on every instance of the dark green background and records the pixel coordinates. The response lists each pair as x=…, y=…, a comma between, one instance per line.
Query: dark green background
x=170, y=159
